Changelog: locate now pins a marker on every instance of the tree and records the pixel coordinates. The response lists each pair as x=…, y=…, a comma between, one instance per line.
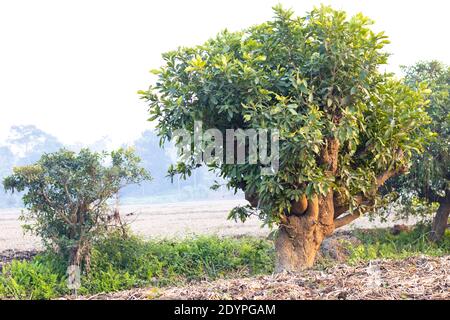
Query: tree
x=344, y=127
x=7, y=160
x=429, y=176
x=66, y=196
x=30, y=143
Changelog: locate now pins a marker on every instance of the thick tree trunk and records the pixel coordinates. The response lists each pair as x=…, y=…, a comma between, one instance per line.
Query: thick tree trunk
x=299, y=237
x=440, y=222
x=301, y=234
x=75, y=256
x=296, y=245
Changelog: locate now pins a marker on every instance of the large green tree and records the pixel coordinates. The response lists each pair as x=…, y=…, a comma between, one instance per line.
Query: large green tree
x=66, y=196
x=429, y=176
x=345, y=127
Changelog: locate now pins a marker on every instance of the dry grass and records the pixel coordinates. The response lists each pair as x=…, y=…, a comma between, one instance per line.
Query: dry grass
x=411, y=278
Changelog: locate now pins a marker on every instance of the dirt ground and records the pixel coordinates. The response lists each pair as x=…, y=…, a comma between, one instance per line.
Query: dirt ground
x=412, y=278
x=160, y=220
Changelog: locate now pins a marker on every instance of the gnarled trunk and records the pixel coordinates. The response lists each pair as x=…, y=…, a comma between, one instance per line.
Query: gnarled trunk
x=296, y=245
x=440, y=222
x=300, y=236
x=310, y=221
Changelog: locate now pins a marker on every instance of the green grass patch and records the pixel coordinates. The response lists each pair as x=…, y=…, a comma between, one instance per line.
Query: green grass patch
x=119, y=264
x=124, y=263
x=382, y=244
x=33, y=280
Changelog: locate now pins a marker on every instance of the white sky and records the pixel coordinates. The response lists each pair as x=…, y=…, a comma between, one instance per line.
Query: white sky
x=72, y=68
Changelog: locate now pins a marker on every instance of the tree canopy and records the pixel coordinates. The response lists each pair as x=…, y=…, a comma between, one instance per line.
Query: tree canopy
x=430, y=172
x=429, y=175
x=316, y=78
x=344, y=126
x=66, y=194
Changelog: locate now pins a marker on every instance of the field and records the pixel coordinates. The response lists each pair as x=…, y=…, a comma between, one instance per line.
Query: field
x=169, y=220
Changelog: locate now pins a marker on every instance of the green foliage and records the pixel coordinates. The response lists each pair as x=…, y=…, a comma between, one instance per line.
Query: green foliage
x=66, y=196
x=429, y=176
x=119, y=263
x=314, y=78
x=382, y=244
x=43, y=278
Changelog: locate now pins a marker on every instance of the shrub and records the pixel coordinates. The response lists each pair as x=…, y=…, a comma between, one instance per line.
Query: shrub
x=119, y=263
x=42, y=278
x=66, y=196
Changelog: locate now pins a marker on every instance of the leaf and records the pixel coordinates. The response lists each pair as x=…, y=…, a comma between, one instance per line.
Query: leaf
x=156, y=71
x=329, y=102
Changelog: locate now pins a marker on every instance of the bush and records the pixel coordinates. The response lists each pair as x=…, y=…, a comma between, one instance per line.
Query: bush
x=41, y=278
x=119, y=263
x=66, y=194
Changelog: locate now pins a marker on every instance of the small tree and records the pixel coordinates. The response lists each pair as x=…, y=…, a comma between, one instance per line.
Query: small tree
x=345, y=128
x=429, y=176
x=66, y=196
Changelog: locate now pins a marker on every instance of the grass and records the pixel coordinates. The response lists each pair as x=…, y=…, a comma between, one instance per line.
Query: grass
x=120, y=264
x=382, y=244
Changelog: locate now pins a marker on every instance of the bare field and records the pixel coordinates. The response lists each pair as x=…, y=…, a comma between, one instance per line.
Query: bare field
x=160, y=220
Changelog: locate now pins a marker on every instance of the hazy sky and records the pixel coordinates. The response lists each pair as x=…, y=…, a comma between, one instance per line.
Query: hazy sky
x=72, y=68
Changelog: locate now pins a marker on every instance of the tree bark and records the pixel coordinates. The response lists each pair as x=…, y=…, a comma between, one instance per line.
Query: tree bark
x=440, y=222
x=299, y=238
x=75, y=256
x=296, y=246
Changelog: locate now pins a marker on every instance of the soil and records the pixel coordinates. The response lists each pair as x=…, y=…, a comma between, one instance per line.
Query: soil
x=412, y=278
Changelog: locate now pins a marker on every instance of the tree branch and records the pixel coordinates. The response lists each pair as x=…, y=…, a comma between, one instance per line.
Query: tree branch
x=364, y=206
x=51, y=205
x=340, y=208
x=252, y=198
x=346, y=219
x=381, y=179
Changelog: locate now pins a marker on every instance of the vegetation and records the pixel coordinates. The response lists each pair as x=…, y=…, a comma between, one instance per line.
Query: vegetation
x=119, y=263
x=429, y=177
x=345, y=128
x=34, y=280
x=382, y=244
x=66, y=197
